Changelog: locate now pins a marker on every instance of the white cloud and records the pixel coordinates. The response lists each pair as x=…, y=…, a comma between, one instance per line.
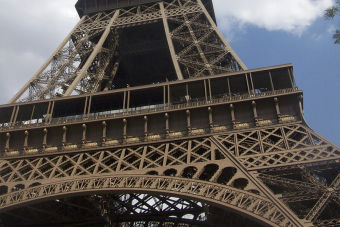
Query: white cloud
x=16, y=69
x=30, y=31
x=316, y=37
x=288, y=15
x=331, y=29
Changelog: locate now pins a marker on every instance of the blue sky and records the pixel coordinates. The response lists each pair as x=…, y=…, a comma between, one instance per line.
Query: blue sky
x=262, y=32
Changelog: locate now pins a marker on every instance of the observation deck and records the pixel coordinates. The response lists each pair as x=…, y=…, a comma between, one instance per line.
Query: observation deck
x=152, y=113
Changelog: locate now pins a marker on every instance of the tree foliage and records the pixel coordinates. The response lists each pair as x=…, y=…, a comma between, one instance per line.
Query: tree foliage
x=330, y=14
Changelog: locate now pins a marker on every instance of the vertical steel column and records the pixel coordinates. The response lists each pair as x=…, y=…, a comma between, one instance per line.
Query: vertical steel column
x=205, y=90
x=209, y=89
x=229, y=89
x=145, y=128
x=104, y=124
x=271, y=81
x=291, y=78
x=45, y=131
x=170, y=43
x=167, y=128
x=248, y=87
x=252, y=83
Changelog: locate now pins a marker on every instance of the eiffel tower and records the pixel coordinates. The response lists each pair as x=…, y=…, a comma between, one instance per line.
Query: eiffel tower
x=145, y=116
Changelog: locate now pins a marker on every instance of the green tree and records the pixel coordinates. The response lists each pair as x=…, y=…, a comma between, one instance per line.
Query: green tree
x=330, y=14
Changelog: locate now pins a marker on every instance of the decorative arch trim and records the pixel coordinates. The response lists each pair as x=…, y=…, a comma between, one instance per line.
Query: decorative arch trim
x=246, y=203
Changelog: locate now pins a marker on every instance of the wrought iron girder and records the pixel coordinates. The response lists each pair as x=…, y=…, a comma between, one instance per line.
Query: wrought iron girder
x=326, y=223
x=300, y=196
x=336, y=197
x=324, y=200
x=130, y=17
x=212, y=52
x=314, y=193
x=308, y=175
x=194, y=64
x=336, y=182
x=274, y=151
x=182, y=37
x=319, y=207
x=196, y=44
x=306, y=155
x=291, y=184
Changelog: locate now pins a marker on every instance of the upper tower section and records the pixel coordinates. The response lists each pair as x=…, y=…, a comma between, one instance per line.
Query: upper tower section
x=89, y=7
x=128, y=43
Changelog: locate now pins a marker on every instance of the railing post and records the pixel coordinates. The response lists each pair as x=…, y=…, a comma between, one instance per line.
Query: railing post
x=145, y=128
x=167, y=130
x=124, y=130
x=44, y=144
x=211, y=123
x=64, y=140
x=104, y=132
x=188, y=121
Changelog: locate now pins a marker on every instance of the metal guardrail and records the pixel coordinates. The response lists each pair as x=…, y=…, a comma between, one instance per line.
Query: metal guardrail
x=142, y=110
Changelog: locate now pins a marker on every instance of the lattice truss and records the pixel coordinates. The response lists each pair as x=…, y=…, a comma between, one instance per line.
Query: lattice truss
x=199, y=47
x=145, y=208
x=261, y=172
x=72, y=60
x=88, y=59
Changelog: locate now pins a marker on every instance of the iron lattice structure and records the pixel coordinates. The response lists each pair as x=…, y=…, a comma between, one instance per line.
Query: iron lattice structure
x=89, y=58
x=145, y=116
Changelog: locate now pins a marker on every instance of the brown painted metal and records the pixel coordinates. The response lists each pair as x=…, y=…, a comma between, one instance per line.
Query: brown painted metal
x=208, y=144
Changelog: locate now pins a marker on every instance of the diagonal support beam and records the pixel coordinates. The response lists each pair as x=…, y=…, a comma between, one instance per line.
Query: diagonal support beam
x=218, y=32
x=316, y=211
x=170, y=43
x=95, y=52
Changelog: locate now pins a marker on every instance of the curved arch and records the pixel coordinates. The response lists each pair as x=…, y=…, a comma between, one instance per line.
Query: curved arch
x=208, y=172
x=189, y=171
x=240, y=183
x=152, y=173
x=170, y=172
x=248, y=204
x=226, y=175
